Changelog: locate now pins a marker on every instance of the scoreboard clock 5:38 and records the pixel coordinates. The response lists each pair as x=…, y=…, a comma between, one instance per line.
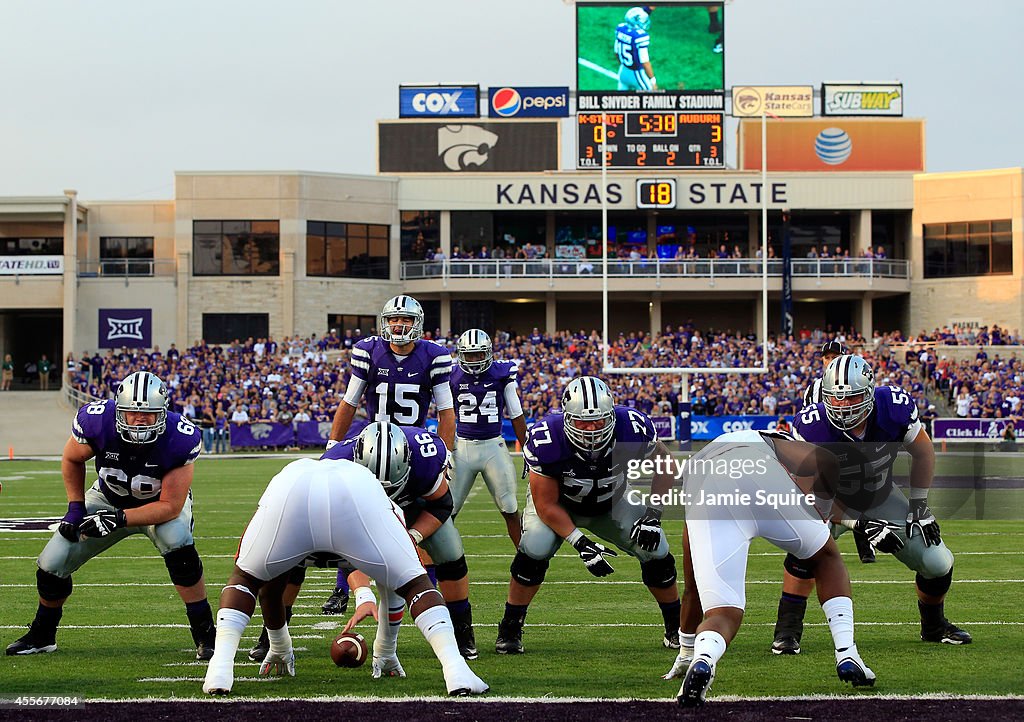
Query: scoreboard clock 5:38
x=642, y=139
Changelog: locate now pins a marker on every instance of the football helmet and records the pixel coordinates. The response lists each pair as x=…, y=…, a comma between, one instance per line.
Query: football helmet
x=849, y=379
x=383, y=449
x=474, y=341
x=638, y=18
x=588, y=399
x=145, y=392
x=401, y=306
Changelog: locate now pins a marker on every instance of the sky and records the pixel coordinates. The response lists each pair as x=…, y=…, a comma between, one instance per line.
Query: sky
x=112, y=97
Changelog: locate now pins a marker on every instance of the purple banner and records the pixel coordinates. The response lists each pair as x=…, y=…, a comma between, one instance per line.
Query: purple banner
x=312, y=433
x=262, y=434
x=969, y=429
x=131, y=327
x=663, y=425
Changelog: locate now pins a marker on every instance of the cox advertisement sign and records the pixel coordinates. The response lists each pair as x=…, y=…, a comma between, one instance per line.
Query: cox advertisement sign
x=515, y=102
x=445, y=101
x=705, y=428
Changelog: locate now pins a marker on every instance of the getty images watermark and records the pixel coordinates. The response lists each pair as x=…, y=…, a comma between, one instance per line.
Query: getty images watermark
x=723, y=482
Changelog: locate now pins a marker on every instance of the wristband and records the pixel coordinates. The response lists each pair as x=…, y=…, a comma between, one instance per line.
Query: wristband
x=330, y=443
x=364, y=595
x=918, y=493
x=416, y=535
x=574, y=536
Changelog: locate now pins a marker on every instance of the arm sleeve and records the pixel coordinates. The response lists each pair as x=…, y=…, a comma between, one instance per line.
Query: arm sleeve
x=914, y=426
x=442, y=475
x=443, y=396
x=512, y=404
x=355, y=389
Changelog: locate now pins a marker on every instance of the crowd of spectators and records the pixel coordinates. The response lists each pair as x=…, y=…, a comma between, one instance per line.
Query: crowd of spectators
x=301, y=379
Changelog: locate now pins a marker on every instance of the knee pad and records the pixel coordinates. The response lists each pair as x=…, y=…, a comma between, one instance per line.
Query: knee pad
x=528, y=571
x=659, y=573
x=297, y=576
x=935, y=587
x=799, y=568
x=184, y=566
x=452, y=571
x=51, y=587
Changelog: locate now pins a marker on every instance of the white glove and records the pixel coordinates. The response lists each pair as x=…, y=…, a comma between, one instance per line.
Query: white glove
x=279, y=663
x=387, y=667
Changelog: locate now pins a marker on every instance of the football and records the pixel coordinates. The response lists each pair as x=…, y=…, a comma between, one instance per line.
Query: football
x=349, y=649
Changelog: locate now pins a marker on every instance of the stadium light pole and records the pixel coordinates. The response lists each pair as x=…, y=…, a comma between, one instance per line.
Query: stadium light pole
x=604, y=242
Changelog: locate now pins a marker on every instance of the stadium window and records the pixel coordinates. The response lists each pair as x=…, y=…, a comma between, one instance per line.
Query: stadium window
x=420, y=234
x=31, y=246
x=978, y=248
x=236, y=248
x=342, y=322
x=226, y=327
x=351, y=250
x=126, y=255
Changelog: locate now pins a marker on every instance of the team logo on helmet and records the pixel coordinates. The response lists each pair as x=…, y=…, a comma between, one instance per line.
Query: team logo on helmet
x=506, y=102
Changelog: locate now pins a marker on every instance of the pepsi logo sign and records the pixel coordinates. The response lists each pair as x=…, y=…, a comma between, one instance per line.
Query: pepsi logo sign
x=510, y=102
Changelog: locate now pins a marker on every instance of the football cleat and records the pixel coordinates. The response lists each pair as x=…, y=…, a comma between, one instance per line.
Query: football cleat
x=851, y=668
x=671, y=640
x=717, y=47
x=682, y=663
x=259, y=652
x=510, y=638
x=337, y=603
x=204, y=651
x=387, y=667
x=466, y=640
x=948, y=633
x=786, y=645
x=465, y=683
x=696, y=684
x=32, y=643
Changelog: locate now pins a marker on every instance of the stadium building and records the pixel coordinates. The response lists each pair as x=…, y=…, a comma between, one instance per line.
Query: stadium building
x=238, y=254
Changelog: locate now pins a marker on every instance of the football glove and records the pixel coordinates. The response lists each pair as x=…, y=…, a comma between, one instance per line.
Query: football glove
x=920, y=517
x=279, y=663
x=68, y=527
x=387, y=667
x=881, y=534
x=646, y=532
x=102, y=523
x=593, y=556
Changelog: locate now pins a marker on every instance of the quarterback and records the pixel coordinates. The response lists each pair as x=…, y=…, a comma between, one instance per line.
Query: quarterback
x=144, y=456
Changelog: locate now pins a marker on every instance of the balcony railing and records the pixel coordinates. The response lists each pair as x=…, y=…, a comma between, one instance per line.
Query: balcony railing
x=126, y=267
x=710, y=268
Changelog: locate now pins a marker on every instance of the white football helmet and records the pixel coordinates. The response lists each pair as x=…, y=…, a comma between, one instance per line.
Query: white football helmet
x=141, y=391
x=405, y=307
x=586, y=399
x=474, y=341
x=383, y=449
x=848, y=378
x=638, y=18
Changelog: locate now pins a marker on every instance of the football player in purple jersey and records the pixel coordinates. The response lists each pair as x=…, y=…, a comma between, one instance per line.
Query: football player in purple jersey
x=399, y=373
x=143, y=457
x=484, y=390
x=865, y=427
x=578, y=461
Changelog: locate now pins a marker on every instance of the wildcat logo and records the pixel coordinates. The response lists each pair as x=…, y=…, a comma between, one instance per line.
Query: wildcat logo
x=464, y=147
x=324, y=429
x=261, y=431
x=124, y=328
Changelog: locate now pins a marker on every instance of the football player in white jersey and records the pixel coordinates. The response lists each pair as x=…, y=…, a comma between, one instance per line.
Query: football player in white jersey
x=327, y=511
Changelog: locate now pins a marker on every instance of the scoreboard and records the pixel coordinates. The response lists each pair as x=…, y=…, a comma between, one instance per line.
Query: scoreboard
x=651, y=139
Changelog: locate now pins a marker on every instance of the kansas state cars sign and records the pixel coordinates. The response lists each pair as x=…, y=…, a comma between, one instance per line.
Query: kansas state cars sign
x=439, y=101
x=509, y=102
x=131, y=327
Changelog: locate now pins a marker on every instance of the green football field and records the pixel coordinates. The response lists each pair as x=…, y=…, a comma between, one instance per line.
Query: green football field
x=124, y=633
x=680, y=49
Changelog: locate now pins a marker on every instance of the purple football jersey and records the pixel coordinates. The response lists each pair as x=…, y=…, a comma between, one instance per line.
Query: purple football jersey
x=865, y=464
x=428, y=457
x=130, y=474
x=589, y=486
x=400, y=390
x=480, y=399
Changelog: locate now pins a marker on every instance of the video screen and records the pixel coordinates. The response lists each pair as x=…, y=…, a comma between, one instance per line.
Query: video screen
x=644, y=48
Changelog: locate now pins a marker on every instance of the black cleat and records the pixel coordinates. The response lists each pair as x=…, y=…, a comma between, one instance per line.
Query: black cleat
x=718, y=47
x=671, y=640
x=865, y=551
x=33, y=642
x=466, y=640
x=696, y=684
x=510, y=638
x=337, y=603
x=786, y=645
x=259, y=652
x=948, y=633
x=204, y=651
